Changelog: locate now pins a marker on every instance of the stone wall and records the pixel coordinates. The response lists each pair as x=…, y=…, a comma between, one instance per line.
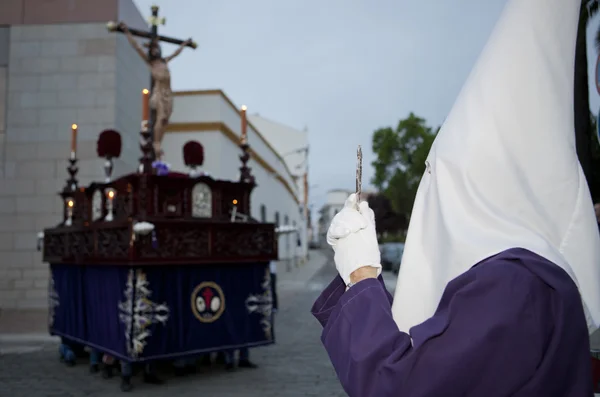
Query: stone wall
x=57, y=75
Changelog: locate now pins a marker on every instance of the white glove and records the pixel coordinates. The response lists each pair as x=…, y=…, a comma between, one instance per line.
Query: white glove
x=353, y=238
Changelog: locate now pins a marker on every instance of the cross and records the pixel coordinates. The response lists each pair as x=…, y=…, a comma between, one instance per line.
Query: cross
x=358, y=174
x=153, y=35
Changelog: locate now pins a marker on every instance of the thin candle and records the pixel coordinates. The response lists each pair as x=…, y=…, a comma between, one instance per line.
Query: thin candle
x=234, y=210
x=73, y=140
x=244, y=125
x=145, y=105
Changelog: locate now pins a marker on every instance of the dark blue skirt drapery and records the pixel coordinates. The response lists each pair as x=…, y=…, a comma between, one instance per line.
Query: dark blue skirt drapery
x=147, y=313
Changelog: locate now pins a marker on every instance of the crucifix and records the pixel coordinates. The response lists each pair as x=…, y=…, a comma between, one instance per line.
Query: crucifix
x=358, y=174
x=161, y=96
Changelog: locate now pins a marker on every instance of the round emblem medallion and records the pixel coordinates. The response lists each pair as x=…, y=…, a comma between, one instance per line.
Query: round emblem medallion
x=208, y=302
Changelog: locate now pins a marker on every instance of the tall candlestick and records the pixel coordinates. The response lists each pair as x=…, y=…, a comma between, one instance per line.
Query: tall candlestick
x=146, y=134
x=73, y=140
x=145, y=105
x=244, y=125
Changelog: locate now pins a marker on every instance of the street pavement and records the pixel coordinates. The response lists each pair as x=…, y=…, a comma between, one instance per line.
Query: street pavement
x=297, y=365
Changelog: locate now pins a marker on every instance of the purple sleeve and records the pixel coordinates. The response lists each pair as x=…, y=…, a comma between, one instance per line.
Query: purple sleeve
x=330, y=297
x=488, y=326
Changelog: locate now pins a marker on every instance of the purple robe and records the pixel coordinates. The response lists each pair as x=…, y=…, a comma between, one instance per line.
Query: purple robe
x=513, y=325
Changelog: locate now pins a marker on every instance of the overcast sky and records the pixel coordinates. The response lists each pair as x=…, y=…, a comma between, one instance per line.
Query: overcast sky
x=342, y=68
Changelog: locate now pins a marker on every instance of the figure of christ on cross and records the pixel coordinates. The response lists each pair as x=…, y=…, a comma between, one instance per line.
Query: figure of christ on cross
x=161, y=96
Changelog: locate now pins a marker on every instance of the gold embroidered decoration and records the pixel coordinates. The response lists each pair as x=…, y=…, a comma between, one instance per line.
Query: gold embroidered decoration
x=138, y=312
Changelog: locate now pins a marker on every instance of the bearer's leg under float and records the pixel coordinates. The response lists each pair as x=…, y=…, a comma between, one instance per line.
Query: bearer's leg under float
x=244, y=361
x=150, y=376
x=185, y=366
x=179, y=367
x=228, y=358
x=66, y=354
x=205, y=360
x=219, y=358
x=95, y=356
x=108, y=362
x=126, y=372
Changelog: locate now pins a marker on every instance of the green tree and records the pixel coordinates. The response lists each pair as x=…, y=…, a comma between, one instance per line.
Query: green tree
x=387, y=220
x=583, y=128
x=586, y=143
x=400, y=161
x=594, y=172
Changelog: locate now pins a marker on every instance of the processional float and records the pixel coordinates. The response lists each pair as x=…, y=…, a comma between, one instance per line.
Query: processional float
x=156, y=264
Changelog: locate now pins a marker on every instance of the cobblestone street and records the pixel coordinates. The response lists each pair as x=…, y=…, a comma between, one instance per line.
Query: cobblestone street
x=297, y=365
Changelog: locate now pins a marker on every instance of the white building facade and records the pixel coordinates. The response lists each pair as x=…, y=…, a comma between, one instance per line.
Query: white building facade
x=212, y=119
x=58, y=66
x=293, y=147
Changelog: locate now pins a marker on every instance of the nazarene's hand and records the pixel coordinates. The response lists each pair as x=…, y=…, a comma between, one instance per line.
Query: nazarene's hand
x=353, y=237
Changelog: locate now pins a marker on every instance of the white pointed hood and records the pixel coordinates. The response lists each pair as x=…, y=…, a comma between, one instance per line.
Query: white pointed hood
x=503, y=172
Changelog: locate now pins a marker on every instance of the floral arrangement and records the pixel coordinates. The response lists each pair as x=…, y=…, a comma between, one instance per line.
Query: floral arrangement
x=143, y=228
x=109, y=144
x=161, y=167
x=193, y=154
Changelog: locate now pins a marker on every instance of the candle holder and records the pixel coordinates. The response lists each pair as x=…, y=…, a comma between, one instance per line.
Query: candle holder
x=146, y=147
x=70, y=205
x=110, y=197
x=108, y=169
x=245, y=171
x=72, y=170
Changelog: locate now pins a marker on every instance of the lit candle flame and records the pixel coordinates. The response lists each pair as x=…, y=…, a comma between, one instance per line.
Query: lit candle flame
x=145, y=91
x=70, y=203
x=234, y=202
x=244, y=108
x=111, y=194
x=73, y=140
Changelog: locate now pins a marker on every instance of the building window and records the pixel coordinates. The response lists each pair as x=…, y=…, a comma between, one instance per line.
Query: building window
x=263, y=213
x=276, y=218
